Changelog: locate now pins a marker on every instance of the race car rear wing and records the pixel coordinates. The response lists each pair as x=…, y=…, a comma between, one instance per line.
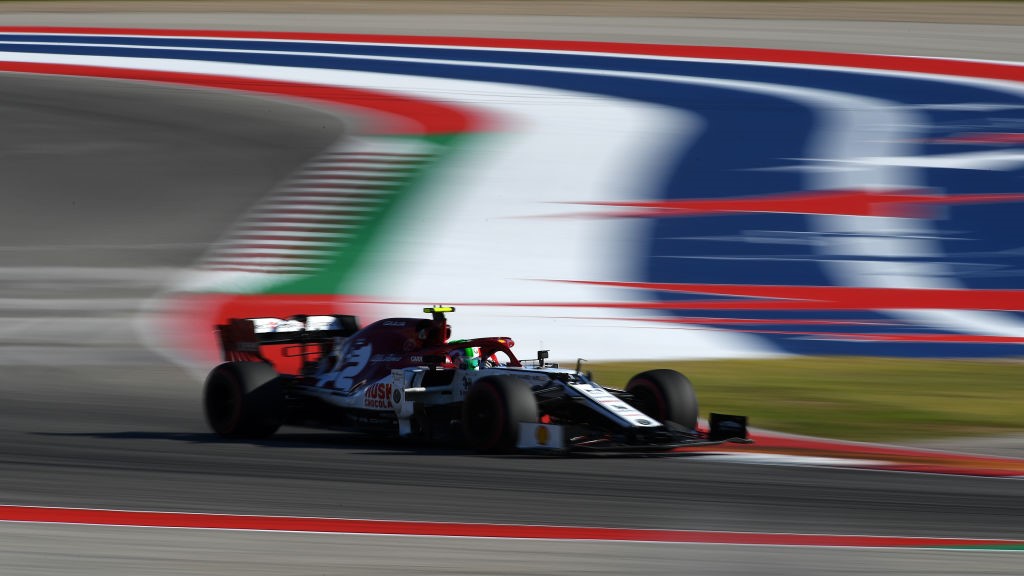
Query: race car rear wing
x=241, y=338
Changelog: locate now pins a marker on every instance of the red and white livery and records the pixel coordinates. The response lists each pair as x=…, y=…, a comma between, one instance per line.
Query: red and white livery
x=406, y=377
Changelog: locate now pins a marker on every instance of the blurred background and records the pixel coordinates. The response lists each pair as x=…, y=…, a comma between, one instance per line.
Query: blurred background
x=834, y=252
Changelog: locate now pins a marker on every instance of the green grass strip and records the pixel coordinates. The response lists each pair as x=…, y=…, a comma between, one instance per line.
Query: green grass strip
x=855, y=398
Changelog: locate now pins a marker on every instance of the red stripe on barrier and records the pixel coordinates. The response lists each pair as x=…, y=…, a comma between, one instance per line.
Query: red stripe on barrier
x=455, y=529
x=890, y=203
x=946, y=67
x=795, y=297
x=391, y=113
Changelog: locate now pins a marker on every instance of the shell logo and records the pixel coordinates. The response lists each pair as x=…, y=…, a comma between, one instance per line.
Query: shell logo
x=543, y=435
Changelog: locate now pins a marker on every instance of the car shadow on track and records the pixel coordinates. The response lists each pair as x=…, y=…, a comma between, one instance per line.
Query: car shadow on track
x=283, y=440
x=368, y=445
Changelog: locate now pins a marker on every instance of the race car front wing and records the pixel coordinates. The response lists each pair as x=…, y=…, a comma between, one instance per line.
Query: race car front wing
x=555, y=438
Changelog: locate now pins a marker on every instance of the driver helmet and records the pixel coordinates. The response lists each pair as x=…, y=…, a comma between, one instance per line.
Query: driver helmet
x=470, y=359
x=465, y=358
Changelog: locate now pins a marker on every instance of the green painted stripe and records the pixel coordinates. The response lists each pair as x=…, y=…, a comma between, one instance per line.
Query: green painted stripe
x=336, y=276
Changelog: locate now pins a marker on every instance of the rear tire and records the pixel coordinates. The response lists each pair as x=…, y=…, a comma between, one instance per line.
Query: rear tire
x=244, y=400
x=492, y=411
x=665, y=395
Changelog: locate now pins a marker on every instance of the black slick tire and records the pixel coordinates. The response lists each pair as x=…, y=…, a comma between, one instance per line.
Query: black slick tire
x=244, y=400
x=492, y=411
x=665, y=395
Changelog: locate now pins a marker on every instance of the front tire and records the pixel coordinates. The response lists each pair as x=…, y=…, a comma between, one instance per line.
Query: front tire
x=492, y=411
x=244, y=400
x=665, y=395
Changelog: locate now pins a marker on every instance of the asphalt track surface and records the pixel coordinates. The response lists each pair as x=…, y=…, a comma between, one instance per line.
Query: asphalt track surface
x=111, y=187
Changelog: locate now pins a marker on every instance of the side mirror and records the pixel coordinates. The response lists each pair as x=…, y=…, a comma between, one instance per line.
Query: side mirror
x=542, y=355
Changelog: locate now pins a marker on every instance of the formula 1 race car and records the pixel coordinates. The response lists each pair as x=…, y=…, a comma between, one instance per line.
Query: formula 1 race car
x=403, y=376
